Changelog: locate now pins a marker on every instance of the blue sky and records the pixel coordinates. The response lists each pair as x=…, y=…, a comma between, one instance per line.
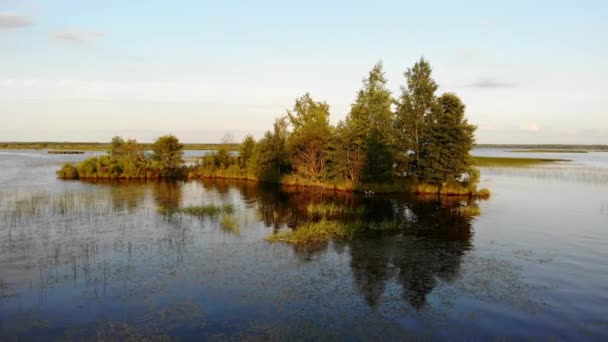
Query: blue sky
x=529, y=72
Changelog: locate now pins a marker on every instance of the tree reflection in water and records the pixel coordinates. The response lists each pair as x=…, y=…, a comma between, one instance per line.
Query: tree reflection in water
x=426, y=245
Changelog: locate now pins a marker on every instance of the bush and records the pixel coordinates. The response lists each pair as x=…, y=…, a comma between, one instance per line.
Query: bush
x=68, y=171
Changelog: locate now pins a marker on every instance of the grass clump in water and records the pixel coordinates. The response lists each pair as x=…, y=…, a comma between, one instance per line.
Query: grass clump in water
x=230, y=223
x=312, y=232
x=468, y=211
x=332, y=210
x=209, y=210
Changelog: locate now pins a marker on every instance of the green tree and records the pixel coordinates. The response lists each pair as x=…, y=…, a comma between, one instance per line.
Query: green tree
x=310, y=136
x=167, y=153
x=416, y=103
x=246, y=151
x=444, y=156
x=269, y=159
x=371, y=114
x=372, y=108
x=379, y=160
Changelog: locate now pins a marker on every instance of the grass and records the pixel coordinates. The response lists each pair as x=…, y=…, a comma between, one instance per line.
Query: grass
x=513, y=162
x=550, y=151
x=325, y=230
x=312, y=232
x=332, y=210
x=208, y=210
x=229, y=222
x=469, y=211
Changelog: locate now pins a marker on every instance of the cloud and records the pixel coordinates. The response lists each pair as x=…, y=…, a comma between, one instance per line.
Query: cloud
x=76, y=37
x=530, y=127
x=13, y=21
x=488, y=83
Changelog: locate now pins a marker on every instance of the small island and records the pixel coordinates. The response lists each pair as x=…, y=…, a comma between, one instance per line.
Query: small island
x=416, y=143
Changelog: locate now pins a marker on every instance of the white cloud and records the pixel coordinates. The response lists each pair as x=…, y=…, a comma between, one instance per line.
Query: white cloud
x=488, y=83
x=76, y=36
x=12, y=21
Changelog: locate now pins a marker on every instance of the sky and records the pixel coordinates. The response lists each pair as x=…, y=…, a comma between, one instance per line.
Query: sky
x=528, y=71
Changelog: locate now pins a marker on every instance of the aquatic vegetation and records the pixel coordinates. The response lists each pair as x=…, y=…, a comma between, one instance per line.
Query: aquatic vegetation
x=229, y=222
x=208, y=210
x=513, y=162
x=332, y=210
x=325, y=230
x=468, y=210
x=313, y=232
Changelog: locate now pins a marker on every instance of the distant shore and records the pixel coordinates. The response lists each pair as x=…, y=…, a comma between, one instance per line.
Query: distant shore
x=96, y=146
x=103, y=146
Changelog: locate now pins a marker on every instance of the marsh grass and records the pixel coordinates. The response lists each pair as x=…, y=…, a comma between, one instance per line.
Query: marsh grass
x=513, y=162
x=208, y=210
x=332, y=210
x=312, y=232
x=468, y=210
x=325, y=230
x=229, y=223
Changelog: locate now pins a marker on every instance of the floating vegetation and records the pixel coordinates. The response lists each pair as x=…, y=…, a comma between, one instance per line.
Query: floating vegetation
x=312, y=232
x=513, y=162
x=65, y=152
x=325, y=230
x=208, y=210
x=468, y=210
x=229, y=222
x=332, y=210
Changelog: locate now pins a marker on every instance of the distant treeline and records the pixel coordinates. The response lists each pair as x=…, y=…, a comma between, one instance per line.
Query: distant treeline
x=545, y=146
x=96, y=146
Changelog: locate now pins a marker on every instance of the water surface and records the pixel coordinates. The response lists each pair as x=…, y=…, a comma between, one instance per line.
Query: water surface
x=99, y=260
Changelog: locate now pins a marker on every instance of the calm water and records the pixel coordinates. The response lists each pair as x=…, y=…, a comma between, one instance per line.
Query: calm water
x=81, y=260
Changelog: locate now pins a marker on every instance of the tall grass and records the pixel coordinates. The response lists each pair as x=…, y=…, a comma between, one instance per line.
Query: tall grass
x=468, y=210
x=208, y=210
x=313, y=232
x=332, y=210
x=229, y=223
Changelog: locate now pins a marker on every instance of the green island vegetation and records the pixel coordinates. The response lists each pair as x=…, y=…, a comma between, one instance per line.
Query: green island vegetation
x=417, y=143
x=513, y=162
x=208, y=210
x=550, y=151
x=128, y=160
x=64, y=152
x=94, y=146
x=545, y=147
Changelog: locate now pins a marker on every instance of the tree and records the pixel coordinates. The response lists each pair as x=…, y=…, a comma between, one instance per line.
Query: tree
x=445, y=157
x=378, y=160
x=167, y=153
x=372, y=108
x=371, y=114
x=269, y=159
x=246, y=151
x=416, y=103
x=311, y=133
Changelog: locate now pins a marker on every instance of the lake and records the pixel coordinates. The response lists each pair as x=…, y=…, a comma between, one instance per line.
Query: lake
x=100, y=260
